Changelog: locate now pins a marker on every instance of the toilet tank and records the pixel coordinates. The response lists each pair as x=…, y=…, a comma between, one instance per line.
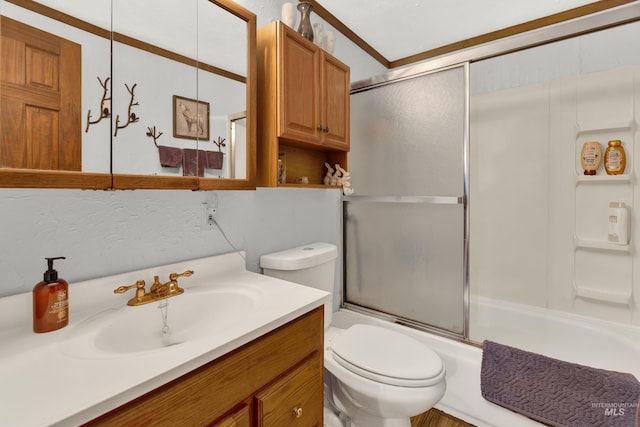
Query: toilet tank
x=312, y=265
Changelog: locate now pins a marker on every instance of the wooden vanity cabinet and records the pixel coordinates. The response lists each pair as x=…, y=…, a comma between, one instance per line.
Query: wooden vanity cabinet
x=239, y=418
x=303, y=93
x=275, y=380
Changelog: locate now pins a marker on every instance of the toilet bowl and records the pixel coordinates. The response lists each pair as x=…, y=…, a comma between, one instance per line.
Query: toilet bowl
x=377, y=377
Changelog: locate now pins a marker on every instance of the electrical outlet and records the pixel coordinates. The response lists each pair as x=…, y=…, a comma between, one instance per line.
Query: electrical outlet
x=207, y=216
x=212, y=214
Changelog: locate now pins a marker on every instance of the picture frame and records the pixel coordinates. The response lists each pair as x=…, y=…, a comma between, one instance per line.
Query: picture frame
x=190, y=118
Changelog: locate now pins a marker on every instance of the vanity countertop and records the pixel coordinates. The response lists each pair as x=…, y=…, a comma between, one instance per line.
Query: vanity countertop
x=61, y=378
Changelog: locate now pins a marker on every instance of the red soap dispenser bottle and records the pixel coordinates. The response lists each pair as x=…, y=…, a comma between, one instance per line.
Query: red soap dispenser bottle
x=50, y=301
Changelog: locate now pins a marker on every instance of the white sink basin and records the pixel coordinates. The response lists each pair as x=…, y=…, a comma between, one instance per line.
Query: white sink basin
x=189, y=317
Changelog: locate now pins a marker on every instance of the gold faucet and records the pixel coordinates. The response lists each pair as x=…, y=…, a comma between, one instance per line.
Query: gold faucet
x=157, y=291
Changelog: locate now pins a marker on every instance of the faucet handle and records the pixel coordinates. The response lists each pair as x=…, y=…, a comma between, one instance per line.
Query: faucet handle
x=122, y=289
x=174, y=276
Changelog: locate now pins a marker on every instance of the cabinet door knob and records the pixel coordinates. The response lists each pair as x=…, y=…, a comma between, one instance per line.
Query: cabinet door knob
x=320, y=128
x=297, y=412
x=326, y=129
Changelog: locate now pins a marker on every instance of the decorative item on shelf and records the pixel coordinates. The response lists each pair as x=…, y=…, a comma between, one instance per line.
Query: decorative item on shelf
x=328, y=178
x=615, y=159
x=318, y=34
x=105, y=105
x=288, y=14
x=329, y=42
x=590, y=157
x=303, y=180
x=282, y=169
x=338, y=177
x=305, y=28
x=131, y=117
x=344, y=181
x=618, y=223
x=152, y=133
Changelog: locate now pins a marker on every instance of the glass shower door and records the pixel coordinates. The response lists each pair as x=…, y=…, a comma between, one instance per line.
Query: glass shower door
x=404, y=227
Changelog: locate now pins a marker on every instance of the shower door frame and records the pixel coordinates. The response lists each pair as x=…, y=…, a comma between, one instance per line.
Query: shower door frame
x=387, y=79
x=610, y=18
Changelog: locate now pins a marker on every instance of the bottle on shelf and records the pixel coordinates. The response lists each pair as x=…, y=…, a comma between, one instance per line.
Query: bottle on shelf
x=590, y=157
x=615, y=159
x=618, y=223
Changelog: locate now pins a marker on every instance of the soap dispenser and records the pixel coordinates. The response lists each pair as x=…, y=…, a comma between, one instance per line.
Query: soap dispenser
x=50, y=301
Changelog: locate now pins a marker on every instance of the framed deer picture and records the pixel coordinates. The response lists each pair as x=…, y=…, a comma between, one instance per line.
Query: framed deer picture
x=190, y=118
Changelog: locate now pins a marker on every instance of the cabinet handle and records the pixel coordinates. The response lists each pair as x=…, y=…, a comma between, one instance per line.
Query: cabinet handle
x=320, y=128
x=297, y=412
x=326, y=129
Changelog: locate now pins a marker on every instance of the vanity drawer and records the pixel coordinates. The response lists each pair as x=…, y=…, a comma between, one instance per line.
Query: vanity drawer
x=296, y=399
x=240, y=418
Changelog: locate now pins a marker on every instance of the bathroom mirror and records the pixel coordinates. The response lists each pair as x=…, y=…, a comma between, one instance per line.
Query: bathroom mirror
x=55, y=77
x=186, y=81
x=180, y=70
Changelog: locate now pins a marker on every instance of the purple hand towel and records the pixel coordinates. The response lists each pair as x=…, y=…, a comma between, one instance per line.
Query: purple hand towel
x=213, y=160
x=190, y=164
x=170, y=157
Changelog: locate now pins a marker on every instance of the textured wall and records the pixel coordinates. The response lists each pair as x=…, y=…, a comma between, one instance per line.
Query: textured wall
x=103, y=233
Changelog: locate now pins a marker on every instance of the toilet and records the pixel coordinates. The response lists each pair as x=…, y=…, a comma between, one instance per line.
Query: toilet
x=375, y=376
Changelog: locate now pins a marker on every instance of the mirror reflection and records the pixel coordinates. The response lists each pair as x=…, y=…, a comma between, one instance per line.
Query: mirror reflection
x=179, y=76
x=188, y=79
x=52, y=76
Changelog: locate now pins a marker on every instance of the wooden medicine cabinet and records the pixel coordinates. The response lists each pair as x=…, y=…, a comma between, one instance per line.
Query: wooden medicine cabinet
x=304, y=119
x=136, y=76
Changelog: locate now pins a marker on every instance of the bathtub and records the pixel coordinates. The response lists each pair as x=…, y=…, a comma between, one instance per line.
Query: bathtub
x=573, y=338
x=565, y=336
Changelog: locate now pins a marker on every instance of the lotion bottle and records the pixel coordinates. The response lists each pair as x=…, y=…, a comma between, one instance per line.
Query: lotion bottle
x=50, y=301
x=618, y=223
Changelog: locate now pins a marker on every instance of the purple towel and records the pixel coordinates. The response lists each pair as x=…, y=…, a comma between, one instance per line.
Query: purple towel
x=557, y=393
x=170, y=157
x=190, y=164
x=213, y=160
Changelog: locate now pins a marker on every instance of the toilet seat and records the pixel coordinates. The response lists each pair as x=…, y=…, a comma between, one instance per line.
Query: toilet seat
x=388, y=357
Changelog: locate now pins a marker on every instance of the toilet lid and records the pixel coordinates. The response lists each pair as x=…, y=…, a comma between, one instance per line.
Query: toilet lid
x=387, y=356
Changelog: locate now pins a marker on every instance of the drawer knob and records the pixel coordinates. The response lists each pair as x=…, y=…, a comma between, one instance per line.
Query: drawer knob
x=297, y=412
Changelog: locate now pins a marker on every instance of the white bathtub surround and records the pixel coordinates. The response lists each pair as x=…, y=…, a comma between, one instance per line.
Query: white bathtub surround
x=98, y=379
x=561, y=258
